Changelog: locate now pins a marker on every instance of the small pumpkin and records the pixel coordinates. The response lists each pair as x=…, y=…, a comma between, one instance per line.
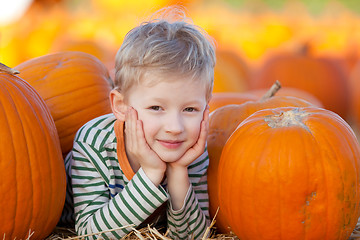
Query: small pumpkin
x=291, y=173
x=355, y=96
x=32, y=172
x=222, y=122
x=75, y=86
x=231, y=72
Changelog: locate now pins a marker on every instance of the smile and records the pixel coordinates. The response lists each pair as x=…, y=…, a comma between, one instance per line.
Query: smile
x=170, y=144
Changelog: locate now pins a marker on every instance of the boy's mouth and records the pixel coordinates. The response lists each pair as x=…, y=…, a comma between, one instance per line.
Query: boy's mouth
x=171, y=144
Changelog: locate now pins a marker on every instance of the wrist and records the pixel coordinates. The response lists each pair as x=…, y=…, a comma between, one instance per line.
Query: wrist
x=176, y=170
x=155, y=175
x=177, y=174
x=178, y=185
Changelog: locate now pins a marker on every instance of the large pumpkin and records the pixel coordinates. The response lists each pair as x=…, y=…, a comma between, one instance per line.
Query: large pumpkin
x=291, y=173
x=74, y=85
x=32, y=172
x=321, y=77
x=222, y=123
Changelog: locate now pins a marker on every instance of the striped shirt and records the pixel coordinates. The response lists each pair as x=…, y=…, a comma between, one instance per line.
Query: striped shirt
x=104, y=198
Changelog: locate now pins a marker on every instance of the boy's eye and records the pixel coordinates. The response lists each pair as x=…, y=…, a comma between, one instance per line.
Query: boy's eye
x=189, y=109
x=155, y=108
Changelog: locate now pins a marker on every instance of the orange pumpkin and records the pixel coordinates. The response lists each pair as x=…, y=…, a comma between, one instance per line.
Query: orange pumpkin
x=74, y=85
x=222, y=122
x=221, y=99
x=32, y=172
x=291, y=173
x=319, y=76
x=355, y=95
x=67, y=43
x=289, y=91
x=231, y=73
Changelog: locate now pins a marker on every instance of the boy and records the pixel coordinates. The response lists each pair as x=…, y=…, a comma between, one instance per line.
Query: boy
x=149, y=155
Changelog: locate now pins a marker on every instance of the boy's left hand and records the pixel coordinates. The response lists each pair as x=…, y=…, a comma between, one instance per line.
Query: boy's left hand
x=198, y=148
x=177, y=172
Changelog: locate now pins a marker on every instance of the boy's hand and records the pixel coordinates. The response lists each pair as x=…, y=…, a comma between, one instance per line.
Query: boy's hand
x=198, y=148
x=177, y=172
x=138, y=151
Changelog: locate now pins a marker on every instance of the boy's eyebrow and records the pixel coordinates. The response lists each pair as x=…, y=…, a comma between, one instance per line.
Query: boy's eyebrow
x=194, y=101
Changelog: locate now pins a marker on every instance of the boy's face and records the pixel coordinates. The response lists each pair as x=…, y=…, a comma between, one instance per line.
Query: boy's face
x=171, y=112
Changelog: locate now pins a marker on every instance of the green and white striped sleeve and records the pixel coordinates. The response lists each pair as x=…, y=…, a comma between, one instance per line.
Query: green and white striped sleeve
x=95, y=209
x=192, y=220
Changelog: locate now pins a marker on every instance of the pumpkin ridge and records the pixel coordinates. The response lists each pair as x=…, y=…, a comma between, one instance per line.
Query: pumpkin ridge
x=326, y=182
x=28, y=139
x=307, y=163
x=256, y=174
x=84, y=109
x=340, y=166
x=50, y=164
x=6, y=118
x=13, y=92
x=72, y=91
x=277, y=182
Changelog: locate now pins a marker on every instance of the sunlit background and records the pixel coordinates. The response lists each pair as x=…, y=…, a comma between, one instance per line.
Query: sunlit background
x=247, y=32
x=251, y=28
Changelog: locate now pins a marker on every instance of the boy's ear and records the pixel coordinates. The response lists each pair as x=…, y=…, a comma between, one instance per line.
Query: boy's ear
x=118, y=105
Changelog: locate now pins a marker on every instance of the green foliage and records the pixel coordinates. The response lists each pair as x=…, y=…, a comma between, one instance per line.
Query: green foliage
x=314, y=6
x=275, y=4
x=353, y=5
x=236, y=3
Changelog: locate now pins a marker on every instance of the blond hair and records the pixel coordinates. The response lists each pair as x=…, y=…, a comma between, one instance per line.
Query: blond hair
x=169, y=44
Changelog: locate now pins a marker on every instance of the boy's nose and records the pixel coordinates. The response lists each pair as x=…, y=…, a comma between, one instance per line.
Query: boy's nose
x=174, y=124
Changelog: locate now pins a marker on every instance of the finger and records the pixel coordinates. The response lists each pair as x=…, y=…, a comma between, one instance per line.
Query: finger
x=204, y=125
x=140, y=135
x=202, y=136
x=133, y=119
x=204, y=128
x=127, y=135
x=130, y=128
x=198, y=148
x=206, y=113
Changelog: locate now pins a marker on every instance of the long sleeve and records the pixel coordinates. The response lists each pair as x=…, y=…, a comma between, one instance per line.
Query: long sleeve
x=104, y=198
x=192, y=220
x=96, y=210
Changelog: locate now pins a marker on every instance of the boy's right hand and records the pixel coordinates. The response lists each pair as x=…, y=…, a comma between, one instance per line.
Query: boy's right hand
x=138, y=150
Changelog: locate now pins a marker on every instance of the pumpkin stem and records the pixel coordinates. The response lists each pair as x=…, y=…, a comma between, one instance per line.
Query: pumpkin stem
x=6, y=69
x=272, y=91
x=304, y=49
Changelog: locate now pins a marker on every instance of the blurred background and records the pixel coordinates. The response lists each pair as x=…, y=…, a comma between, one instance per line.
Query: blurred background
x=248, y=33
x=253, y=29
